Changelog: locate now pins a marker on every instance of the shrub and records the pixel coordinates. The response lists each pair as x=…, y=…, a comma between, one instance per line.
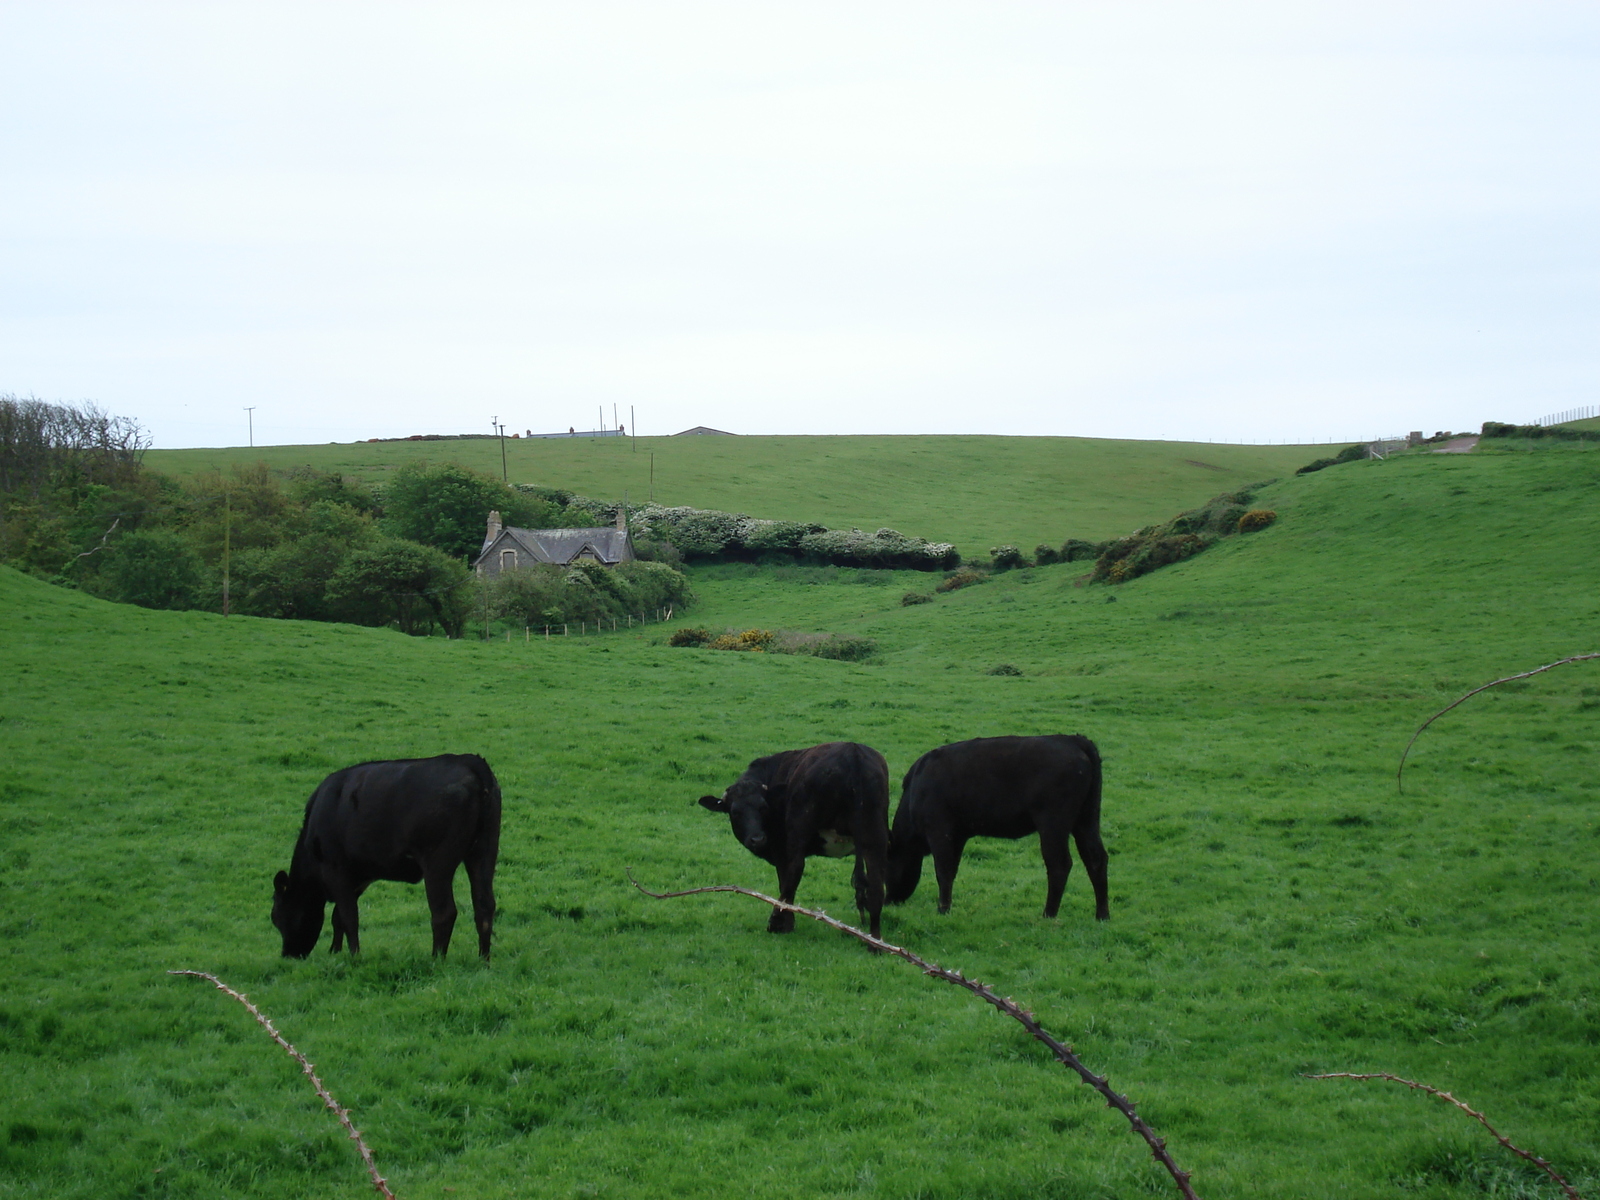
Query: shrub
x=1077, y=550
x=1007, y=558
x=911, y=598
x=749, y=639
x=1184, y=536
x=391, y=581
x=152, y=568
x=1256, y=518
x=709, y=534
x=843, y=649
x=960, y=579
x=1045, y=556
x=1348, y=454
x=1004, y=669
x=658, y=550
x=694, y=635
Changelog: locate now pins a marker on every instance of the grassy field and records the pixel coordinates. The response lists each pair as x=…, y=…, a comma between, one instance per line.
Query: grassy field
x=1276, y=907
x=974, y=491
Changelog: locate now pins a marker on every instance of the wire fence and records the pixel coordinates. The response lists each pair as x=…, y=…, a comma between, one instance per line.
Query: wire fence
x=598, y=625
x=1582, y=413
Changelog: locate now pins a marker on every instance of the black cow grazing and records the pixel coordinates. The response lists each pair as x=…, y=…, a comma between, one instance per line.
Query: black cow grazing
x=832, y=799
x=409, y=820
x=1000, y=787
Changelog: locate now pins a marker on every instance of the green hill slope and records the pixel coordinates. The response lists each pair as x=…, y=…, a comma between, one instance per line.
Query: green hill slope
x=974, y=491
x=1276, y=907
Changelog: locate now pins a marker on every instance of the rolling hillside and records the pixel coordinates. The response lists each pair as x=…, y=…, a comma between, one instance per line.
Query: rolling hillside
x=974, y=491
x=1277, y=908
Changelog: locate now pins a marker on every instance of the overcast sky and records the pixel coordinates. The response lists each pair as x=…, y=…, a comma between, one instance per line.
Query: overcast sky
x=1271, y=221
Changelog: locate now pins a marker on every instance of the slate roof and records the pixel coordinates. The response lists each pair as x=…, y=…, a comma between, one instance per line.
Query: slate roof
x=560, y=546
x=704, y=429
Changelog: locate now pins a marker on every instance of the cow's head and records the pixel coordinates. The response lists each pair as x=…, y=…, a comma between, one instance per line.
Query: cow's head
x=297, y=916
x=750, y=806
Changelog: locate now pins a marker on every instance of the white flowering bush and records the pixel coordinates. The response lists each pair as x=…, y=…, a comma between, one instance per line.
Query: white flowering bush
x=708, y=533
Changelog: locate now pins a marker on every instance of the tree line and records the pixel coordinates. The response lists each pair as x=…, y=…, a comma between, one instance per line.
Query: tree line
x=78, y=507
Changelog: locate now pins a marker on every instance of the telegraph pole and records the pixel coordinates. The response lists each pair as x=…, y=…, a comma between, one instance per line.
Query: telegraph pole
x=494, y=424
x=250, y=415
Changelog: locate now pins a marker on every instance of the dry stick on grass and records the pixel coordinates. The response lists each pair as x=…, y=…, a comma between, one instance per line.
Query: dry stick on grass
x=334, y=1106
x=1471, y=1112
x=1062, y=1051
x=1399, y=786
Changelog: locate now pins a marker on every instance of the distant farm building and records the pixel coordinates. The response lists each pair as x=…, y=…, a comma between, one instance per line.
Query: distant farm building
x=705, y=429
x=506, y=548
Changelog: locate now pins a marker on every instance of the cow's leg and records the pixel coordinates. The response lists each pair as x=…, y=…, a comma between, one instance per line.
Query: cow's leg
x=1057, y=855
x=338, y=933
x=947, y=850
x=1093, y=852
x=480, y=875
x=789, y=874
x=439, y=880
x=346, y=920
x=868, y=880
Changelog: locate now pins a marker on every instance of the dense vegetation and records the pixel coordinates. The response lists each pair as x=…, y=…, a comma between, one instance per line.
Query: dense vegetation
x=77, y=507
x=1276, y=907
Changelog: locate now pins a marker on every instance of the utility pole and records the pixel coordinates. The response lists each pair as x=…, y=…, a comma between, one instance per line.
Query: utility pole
x=633, y=424
x=227, y=545
x=250, y=415
x=504, y=475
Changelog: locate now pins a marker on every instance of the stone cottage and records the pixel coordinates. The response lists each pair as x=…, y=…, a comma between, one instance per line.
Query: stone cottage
x=505, y=548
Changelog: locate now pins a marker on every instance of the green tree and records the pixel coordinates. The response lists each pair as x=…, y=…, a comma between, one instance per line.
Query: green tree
x=393, y=581
x=447, y=506
x=154, y=568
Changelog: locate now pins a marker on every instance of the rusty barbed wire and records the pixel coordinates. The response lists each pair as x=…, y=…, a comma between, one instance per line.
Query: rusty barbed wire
x=1399, y=784
x=1063, y=1053
x=338, y=1110
x=1477, y=1116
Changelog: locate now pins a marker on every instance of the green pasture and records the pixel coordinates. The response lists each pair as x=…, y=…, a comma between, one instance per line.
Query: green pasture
x=1277, y=908
x=974, y=491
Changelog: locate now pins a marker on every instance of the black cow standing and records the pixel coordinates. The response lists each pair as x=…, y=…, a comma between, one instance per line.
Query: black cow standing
x=409, y=820
x=832, y=799
x=1000, y=787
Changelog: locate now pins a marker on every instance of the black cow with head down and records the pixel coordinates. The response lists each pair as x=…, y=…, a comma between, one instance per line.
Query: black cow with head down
x=832, y=799
x=1000, y=787
x=408, y=820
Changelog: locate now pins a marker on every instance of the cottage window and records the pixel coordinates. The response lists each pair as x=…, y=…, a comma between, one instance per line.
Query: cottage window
x=508, y=560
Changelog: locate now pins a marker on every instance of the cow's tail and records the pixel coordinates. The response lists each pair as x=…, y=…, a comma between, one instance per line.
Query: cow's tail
x=1089, y=814
x=486, y=843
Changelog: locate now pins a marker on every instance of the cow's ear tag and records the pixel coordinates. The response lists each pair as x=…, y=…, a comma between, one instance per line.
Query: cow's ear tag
x=280, y=882
x=715, y=803
x=763, y=787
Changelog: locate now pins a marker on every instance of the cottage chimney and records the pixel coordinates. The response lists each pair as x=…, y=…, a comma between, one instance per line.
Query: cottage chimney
x=622, y=517
x=494, y=528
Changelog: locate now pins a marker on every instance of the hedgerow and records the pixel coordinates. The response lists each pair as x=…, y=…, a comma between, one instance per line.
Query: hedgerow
x=1187, y=534
x=711, y=535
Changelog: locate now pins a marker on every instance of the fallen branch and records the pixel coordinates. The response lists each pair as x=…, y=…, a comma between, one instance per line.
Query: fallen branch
x=1062, y=1051
x=103, y=538
x=333, y=1105
x=1399, y=785
x=1471, y=1112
